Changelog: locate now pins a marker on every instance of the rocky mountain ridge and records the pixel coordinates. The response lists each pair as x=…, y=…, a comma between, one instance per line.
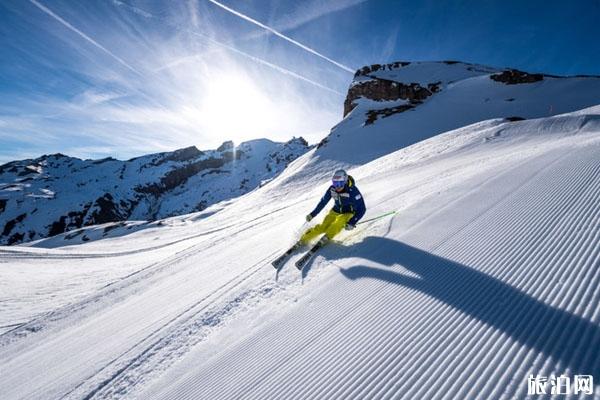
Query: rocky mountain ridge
x=55, y=193
x=402, y=103
x=386, y=82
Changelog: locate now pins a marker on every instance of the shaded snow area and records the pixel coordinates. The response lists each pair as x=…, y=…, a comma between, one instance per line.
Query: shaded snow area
x=488, y=273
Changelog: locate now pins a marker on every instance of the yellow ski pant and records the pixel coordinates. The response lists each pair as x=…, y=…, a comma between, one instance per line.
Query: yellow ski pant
x=332, y=224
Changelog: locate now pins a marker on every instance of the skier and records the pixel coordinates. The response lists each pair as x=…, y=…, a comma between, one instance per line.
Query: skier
x=348, y=209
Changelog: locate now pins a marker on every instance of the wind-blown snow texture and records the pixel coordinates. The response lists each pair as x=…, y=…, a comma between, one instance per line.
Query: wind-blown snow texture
x=488, y=272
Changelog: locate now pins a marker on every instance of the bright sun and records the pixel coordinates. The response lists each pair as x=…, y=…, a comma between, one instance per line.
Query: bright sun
x=234, y=107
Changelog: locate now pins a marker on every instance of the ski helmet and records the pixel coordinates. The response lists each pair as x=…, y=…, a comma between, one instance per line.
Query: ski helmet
x=340, y=177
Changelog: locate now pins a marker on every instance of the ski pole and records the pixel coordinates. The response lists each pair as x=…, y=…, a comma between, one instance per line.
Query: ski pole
x=379, y=216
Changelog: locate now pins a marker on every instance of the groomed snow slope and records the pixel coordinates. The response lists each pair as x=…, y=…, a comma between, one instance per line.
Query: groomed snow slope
x=489, y=272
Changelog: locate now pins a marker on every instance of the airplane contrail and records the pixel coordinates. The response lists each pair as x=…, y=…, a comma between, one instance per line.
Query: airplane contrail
x=249, y=56
x=83, y=35
x=268, y=64
x=281, y=35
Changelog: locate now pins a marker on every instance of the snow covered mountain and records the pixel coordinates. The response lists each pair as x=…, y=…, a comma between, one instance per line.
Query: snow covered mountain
x=428, y=98
x=486, y=275
x=55, y=193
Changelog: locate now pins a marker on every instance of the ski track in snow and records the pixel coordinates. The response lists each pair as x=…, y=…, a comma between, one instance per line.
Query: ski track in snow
x=139, y=276
x=7, y=253
x=489, y=272
x=166, y=341
x=484, y=343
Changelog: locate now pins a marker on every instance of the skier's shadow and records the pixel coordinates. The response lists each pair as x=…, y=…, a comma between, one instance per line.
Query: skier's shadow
x=550, y=330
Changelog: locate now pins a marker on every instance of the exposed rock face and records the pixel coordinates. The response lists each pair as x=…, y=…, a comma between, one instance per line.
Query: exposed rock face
x=105, y=210
x=391, y=82
x=372, y=115
x=515, y=77
x=54, y=194
x=185, y=154
x=288, y=154
x=178, y=176
x=226, y=146
x=8, y=227
x=385, y=90
x=58, y=227
x=73, y=220
x=366, y=70
x=374, y=82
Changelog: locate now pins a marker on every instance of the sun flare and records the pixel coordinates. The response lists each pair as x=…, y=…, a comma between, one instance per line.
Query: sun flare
x=234, y=107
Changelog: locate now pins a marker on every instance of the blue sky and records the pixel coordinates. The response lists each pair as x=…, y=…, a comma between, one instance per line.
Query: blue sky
x=122, y=78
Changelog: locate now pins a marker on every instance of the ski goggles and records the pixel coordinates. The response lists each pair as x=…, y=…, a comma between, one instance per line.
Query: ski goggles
x=338, y=184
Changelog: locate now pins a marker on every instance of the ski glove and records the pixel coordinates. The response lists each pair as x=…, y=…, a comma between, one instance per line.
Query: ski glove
x=309, y=217
x=349, y=227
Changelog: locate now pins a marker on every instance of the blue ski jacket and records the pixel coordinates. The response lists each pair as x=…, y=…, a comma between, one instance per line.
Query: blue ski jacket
x=349, y=200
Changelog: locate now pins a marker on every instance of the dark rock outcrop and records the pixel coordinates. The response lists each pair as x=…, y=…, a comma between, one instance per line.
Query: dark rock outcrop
x=180, y=175
x=8, y=167
x=8, y=227
x=27, y=171
x=55, y=156
x=515, y=77
x=283, y=157
x=386, y=90
x=106, y=210
x=58, y=227
x=380, y=88
x=323, y=142
x=226, y=146
x=299, y=140
x=434, y=87
x=185, y=154
x=366, y=70
x=75, y=219
x=372, y=115
x=103, y=160
x=16, y=238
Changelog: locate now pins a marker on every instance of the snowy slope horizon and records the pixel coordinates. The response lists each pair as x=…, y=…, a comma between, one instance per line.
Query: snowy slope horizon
x=486, y=274
x=55, y=193
x=387, y=107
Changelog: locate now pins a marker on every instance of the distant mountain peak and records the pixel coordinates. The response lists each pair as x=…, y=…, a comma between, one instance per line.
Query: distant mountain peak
x=226, y=146
x=74, y=193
